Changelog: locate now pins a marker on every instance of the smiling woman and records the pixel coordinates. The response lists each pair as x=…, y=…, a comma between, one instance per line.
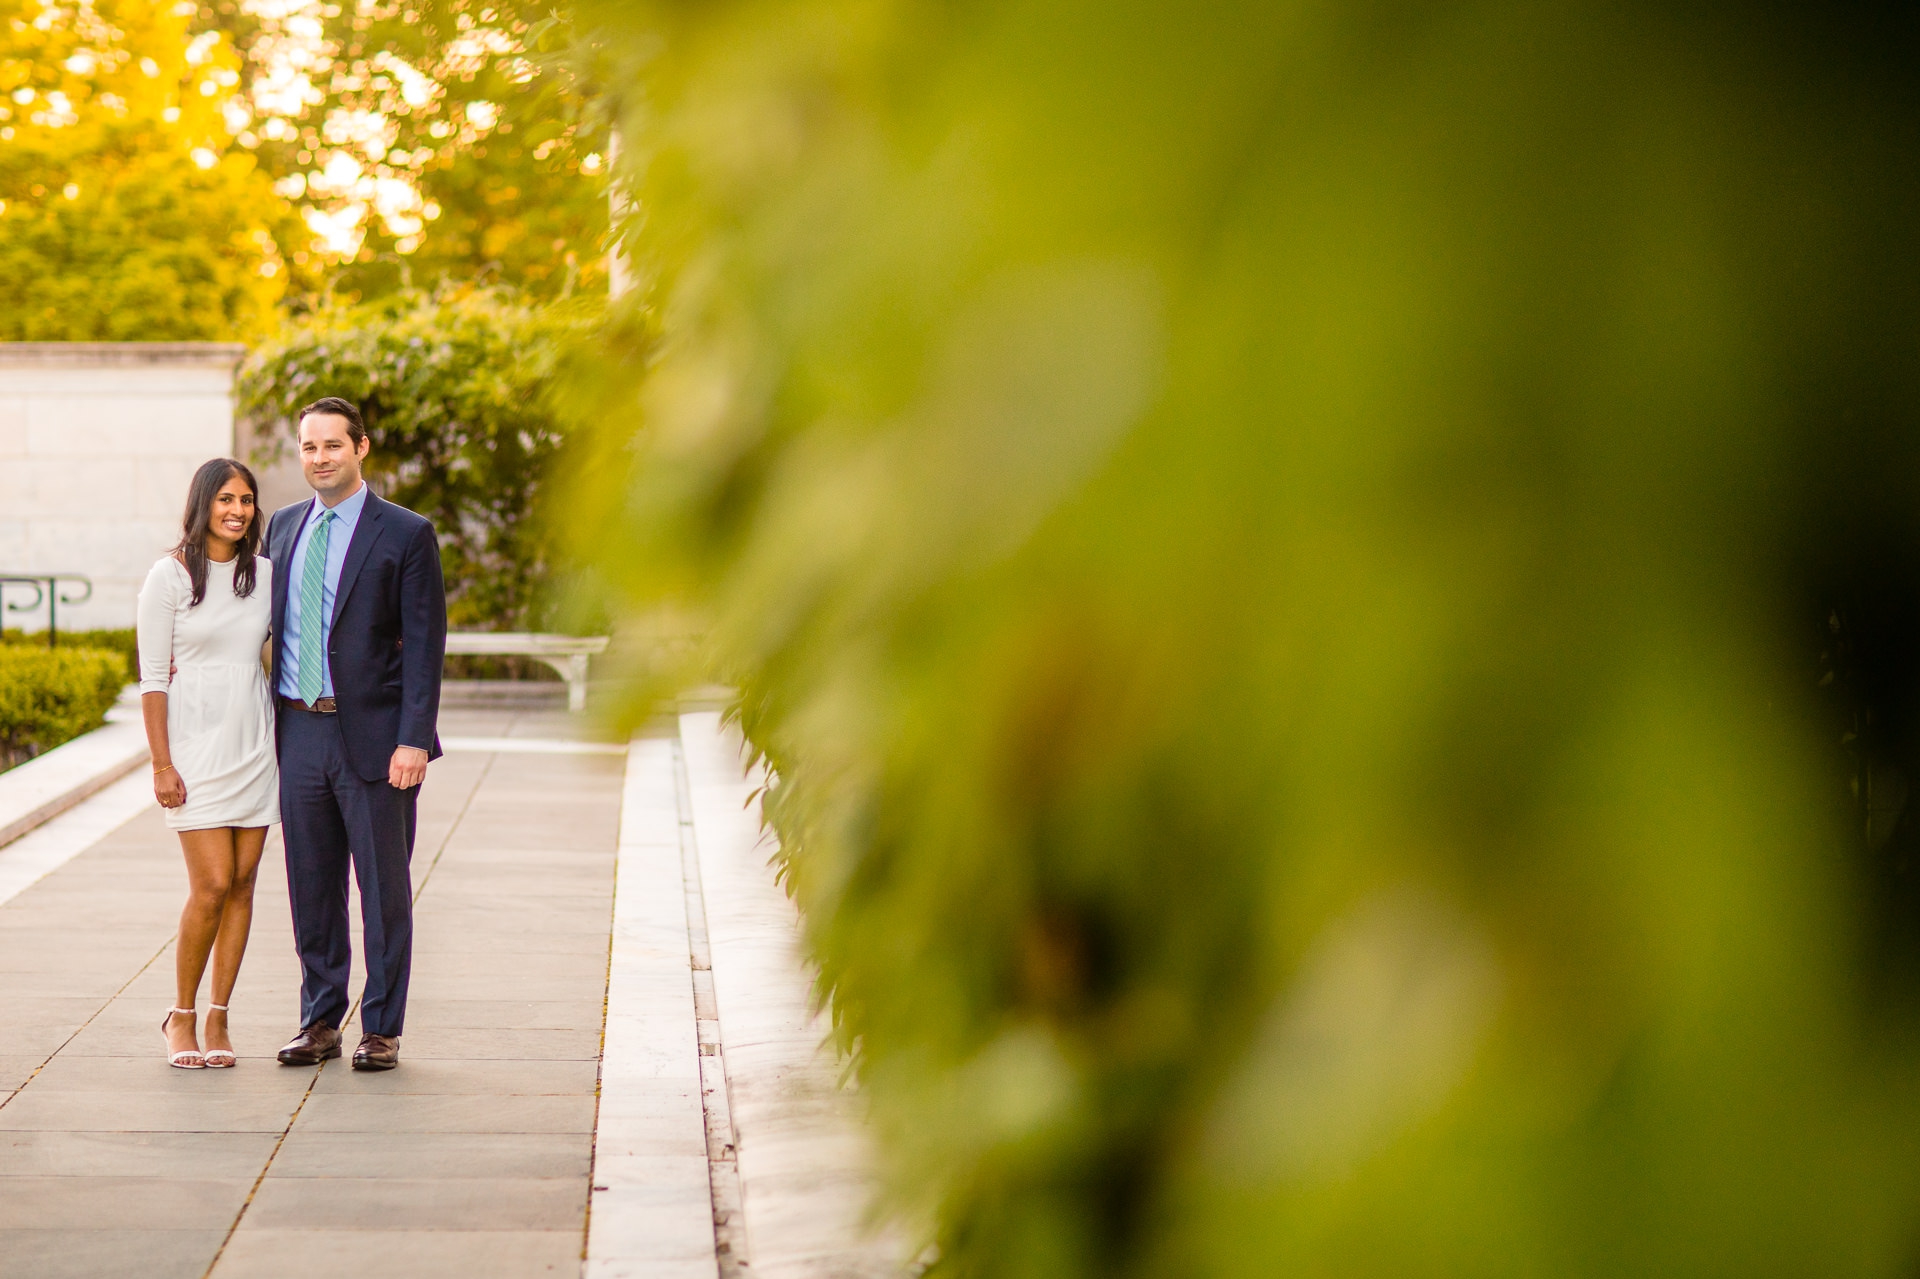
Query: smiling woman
x=204, y=618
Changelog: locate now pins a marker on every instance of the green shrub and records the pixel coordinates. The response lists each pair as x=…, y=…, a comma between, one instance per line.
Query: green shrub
x=114, y=640
x=50, y=696
x=454, y=389
x=1281, y=553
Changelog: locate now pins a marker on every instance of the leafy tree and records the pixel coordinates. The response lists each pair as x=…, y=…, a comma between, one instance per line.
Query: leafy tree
x=126, y=212
x=455, y=389
x=433, y=140
x=1267, y=546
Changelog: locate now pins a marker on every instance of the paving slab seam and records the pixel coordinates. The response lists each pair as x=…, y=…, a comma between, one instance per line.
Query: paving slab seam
x=461, y=816
x=600, y=1063
x=730, y=1242
x=91, y=1017
x=265, y=1168
x=452, y=826
x=352, y=1012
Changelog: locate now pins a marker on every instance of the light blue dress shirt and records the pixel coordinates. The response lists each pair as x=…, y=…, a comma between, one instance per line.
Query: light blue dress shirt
x=339, y=537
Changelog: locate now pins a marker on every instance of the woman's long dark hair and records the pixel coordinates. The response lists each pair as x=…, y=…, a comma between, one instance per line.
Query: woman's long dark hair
x=192, y=549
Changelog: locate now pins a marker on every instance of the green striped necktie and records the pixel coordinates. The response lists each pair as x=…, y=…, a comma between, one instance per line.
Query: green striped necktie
x=313, y=639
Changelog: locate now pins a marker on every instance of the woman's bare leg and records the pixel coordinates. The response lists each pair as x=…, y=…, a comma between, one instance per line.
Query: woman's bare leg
x=236, y=921
x=210, y=863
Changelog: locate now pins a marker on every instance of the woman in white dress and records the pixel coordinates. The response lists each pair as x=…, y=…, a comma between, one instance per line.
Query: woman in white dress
x=204, y=615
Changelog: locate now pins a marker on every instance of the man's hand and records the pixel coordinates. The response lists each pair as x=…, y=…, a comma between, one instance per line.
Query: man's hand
x=408, y=769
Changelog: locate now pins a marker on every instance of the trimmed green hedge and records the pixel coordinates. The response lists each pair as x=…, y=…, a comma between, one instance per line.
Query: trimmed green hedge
x=115, y=640
x=50, y=696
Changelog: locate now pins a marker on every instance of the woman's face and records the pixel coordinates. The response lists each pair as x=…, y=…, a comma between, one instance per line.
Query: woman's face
x=232, y=512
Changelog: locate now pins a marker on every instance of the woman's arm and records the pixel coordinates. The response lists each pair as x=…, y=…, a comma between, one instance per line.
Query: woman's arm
x=154, y=640
x=168, y=788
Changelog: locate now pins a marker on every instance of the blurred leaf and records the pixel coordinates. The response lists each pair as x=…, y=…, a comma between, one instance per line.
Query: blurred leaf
x=1270, y=548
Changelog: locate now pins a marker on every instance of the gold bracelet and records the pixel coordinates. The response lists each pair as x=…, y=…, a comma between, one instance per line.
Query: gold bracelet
x=163, y=768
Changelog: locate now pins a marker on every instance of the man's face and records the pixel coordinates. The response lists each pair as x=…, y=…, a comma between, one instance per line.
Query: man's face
x=329, y=456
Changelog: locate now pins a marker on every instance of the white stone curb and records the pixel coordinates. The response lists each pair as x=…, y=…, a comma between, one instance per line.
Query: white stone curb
x=46, y=848
x=652, y=1215
x=41, y=789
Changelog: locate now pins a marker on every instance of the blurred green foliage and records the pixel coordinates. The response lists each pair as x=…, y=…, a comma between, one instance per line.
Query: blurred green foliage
x=1283, y=556
x=455, y=390
x=126, y=213
x=51, y=695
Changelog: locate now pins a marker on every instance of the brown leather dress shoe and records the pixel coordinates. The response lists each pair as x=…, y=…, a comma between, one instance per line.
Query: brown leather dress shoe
x=313, y=1045
x=377, y=1052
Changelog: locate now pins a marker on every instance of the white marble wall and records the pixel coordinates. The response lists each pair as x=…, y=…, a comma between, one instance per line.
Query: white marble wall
x=97, y=443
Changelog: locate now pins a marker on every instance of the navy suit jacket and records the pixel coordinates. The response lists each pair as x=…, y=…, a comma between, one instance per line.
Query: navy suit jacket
x=388, y=641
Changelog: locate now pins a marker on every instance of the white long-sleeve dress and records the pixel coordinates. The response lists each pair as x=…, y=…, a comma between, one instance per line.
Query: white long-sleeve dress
x=219, y=709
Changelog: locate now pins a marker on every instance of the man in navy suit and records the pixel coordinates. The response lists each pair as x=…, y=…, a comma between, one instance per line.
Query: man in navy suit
x=359, y=634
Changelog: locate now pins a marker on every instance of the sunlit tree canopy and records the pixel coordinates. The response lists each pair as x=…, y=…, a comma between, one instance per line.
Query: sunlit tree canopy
x=425, y=141
x=127, y=211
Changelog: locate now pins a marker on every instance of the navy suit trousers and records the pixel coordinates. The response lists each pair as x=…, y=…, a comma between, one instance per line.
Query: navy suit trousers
x=331, y=817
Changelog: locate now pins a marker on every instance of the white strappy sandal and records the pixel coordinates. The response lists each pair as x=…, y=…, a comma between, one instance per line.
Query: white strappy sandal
x=218, y=1058
x=186, y=1058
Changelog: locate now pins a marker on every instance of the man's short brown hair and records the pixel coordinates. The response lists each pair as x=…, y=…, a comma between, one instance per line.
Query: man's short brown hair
x=356, y=429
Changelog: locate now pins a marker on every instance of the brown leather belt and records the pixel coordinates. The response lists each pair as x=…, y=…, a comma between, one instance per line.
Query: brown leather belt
x=324, y=706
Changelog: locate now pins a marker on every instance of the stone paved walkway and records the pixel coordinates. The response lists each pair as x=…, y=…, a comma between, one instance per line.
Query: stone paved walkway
x=478, y=1156
x=471, y=1159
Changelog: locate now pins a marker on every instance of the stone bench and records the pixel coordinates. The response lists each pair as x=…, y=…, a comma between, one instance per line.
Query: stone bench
x=566, y=654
